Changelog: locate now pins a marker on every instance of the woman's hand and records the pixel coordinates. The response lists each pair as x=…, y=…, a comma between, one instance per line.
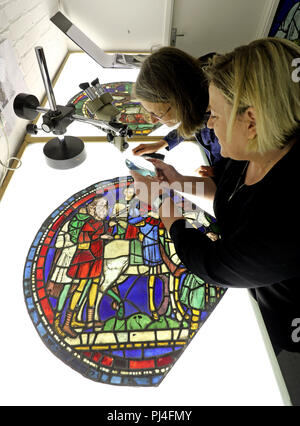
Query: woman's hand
x=146, y=188
x=205, y=171
x=149, y=148
x=165, y=172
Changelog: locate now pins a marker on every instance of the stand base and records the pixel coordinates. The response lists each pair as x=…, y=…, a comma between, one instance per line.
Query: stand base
x=64, y=153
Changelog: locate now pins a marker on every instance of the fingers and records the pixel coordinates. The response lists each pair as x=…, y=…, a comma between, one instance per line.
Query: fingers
x=140, y=178
x=164, y=172
x=144, y=149
x=136, y=176
x=205, y=171
x=159, y=169
x=143, y=187
x=159, y=164
x=140, y=149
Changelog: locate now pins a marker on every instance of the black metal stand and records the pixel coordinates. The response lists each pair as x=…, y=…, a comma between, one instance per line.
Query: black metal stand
x=64, y=153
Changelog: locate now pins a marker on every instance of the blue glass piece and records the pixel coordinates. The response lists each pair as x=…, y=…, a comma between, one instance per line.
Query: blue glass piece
x=115, y=380
x=133, y=353
x=56, y=213
x=27, y=272
x=29, y=303
x=27, y=289
x=104, y=377
x=52, y=345
x=106, y=309
x=126, y=381
x=142, y=380
x=118, y=353
x=37, y=239
x=31, y=253
x=49, y=260
x=41, y=329
x=93, y=374
x=79, y=366
x=204, y=315
x=158, y=291
x=34, y=316
x=53, y=302
x=153, y=352
x=157, y=379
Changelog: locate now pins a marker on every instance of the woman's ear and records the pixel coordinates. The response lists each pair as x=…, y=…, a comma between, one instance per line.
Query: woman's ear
x=250, y=115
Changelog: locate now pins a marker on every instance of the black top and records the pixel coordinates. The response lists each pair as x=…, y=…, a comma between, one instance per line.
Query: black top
x=259, y=245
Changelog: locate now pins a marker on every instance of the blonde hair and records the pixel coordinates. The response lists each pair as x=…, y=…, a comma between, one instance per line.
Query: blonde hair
x=172, y=76
x=259, y=75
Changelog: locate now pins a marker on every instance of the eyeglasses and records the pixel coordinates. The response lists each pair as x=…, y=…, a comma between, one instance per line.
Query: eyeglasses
x=160, y=117
x=206, y=117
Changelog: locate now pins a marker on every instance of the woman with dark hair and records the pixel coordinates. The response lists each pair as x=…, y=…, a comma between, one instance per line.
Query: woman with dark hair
x=172, y=87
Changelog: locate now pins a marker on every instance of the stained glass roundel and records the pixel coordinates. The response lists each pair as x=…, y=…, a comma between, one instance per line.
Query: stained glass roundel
x=106, y=291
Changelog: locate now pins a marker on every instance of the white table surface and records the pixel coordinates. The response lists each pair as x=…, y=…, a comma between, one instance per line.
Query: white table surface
x=227, y=363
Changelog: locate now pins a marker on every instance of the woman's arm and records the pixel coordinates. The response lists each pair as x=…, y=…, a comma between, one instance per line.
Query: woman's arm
x=246, y=259
x=149, y=148
x=199, y=186
x=251, y=256
x=171, y=140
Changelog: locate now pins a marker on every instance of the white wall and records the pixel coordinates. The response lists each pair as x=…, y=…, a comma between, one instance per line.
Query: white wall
x=26, y=24
x=127, y=25
x=220, y=26
x=207, y=25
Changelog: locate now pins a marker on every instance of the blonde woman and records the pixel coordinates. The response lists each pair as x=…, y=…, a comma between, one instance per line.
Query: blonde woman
x=255, y=113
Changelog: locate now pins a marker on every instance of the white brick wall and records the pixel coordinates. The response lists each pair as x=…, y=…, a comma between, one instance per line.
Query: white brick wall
x=27, y=24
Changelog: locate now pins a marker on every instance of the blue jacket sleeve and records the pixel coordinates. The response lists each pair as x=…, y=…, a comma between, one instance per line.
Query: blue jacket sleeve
x=173, y=139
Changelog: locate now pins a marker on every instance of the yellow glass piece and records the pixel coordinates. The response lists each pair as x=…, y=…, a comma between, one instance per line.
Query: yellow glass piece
x=84, y=246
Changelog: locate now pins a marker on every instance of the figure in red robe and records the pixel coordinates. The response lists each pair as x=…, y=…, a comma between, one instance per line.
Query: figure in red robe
x=86, y=265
